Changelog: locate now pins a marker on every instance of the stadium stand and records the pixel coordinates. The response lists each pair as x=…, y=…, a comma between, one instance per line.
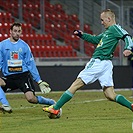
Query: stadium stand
x=59, y=26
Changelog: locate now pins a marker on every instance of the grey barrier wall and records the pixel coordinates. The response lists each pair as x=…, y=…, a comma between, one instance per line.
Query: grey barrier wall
x=61, y=77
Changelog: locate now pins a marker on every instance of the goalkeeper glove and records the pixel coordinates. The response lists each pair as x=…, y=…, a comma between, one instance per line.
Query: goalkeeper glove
x=78, y=33
x=44, y=87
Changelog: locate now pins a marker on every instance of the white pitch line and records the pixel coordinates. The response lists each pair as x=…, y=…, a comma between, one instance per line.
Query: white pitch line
x=26, y=107
x=88, y=101
x=81, y=102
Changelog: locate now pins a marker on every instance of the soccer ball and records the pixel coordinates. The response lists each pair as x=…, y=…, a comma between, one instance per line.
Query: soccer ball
x=53, y=116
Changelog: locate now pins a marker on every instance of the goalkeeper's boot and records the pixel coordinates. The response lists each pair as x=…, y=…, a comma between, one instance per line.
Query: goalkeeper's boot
x=51, y=110
x=6, y=108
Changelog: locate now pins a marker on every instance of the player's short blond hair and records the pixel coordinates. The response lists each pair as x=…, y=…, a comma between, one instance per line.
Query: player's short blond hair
x=109, y=12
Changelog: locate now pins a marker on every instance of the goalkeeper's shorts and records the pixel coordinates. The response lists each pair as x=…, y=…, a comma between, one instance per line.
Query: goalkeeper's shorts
x=22, y=81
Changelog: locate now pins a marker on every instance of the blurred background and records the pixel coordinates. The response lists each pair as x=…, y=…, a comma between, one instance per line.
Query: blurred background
x=48, y=29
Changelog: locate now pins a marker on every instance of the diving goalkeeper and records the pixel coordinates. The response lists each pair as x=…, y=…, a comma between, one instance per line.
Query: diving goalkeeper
x=18, y=67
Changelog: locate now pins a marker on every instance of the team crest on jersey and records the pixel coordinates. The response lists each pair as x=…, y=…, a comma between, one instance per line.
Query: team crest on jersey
x=100, y=43
x=15, y=55
x=14, y=64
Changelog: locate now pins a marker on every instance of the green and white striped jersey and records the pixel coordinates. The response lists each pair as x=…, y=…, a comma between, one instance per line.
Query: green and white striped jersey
x=107, y=41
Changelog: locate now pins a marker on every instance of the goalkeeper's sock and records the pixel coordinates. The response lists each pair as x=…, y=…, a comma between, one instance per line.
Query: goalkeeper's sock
x=47, y=101
x=123, y=101
x=66, y=96
x=3, y=99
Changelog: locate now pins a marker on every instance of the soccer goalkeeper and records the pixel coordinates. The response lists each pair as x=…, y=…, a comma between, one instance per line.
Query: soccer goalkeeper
x=100, y=66
x=18, y=67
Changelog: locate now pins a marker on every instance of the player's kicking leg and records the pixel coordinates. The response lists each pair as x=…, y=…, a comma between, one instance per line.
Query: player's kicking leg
x=55, y=109
x=66, y=96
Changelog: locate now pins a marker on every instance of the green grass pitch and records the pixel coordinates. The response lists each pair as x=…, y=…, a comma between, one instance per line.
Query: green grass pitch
x=87, y=112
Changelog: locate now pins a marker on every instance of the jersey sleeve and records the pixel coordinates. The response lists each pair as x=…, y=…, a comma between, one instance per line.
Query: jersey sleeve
x=30, y=63
x=120, y=33
x=128, y=43
x=92, y=38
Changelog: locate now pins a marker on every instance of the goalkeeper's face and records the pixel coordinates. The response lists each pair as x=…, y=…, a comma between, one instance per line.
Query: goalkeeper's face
x=15, y=33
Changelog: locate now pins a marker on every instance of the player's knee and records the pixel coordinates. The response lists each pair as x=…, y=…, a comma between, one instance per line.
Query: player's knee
x=32, y=100
x=109, y=93
x=2, y=82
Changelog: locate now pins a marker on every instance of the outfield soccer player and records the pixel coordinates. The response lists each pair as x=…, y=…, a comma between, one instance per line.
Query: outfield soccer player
x=18, y=67
x=100, y=66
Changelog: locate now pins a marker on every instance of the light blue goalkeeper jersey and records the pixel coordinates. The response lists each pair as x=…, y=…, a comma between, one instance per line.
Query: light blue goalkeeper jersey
x=16, y=57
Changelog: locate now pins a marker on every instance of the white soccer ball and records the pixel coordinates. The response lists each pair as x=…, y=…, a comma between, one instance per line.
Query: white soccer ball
x=53, y=116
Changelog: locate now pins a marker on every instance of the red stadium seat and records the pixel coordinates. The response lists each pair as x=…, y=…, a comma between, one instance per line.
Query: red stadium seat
x=73, y=41
x=58, y=25
x=89, y=48
x=27, y=28
x=117, y=51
